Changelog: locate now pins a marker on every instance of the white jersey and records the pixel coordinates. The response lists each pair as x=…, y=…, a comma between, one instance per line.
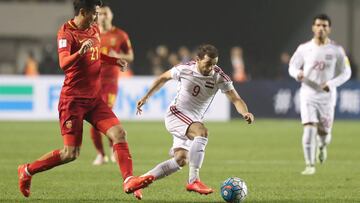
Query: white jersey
x=325, y=64
x=195, y=91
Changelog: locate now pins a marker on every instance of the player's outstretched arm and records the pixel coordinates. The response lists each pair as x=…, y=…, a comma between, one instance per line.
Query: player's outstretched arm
x=159, y=82
x=240, y=105
x=114, y=61
x=128, y=57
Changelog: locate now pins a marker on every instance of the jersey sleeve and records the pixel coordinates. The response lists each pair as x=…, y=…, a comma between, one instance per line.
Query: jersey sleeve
x=343, y=70
x=175, y=73
x=65, y=41
x=296, y=63
x=125, y=46
x=224, y=82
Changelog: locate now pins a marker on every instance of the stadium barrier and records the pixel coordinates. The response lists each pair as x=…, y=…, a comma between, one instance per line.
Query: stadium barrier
x=280, y=99
x=23, y=98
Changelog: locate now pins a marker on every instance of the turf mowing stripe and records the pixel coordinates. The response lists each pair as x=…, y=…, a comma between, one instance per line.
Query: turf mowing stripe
x=15, y=105
x=16, y=90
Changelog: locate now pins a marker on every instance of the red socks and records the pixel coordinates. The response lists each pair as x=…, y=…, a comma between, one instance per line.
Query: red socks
x=123, y=158
x=97, y=141
x=45, y=162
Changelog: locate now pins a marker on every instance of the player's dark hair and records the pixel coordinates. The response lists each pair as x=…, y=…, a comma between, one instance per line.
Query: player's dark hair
x=207, y=49
x=85, y=4
x=322, y=17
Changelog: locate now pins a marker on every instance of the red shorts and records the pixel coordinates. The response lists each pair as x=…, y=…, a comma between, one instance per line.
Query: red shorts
x=72, y=112
x=109, y=93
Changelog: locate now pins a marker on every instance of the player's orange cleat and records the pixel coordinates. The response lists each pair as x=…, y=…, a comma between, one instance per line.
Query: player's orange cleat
x=199, y=187
x=24, y=180
x=138, y=194
x=135, y=183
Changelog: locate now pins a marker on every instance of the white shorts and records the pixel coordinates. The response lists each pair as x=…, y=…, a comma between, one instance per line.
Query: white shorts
x=177, y=123
x=321, y=113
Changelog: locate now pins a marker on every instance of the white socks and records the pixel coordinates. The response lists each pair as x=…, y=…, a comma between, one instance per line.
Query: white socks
x=196, y=157
x=164, y=169
x=324, y=140
x=309, y=144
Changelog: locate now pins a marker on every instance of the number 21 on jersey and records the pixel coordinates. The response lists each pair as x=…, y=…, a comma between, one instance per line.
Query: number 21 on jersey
x=94, y=53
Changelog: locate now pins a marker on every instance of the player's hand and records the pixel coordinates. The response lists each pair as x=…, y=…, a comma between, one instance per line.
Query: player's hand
x=140, y=103
x=113, y=53
x=85, y=46
x=249, y=117
x=123, y=65
x=300, y=76
x=325, y=87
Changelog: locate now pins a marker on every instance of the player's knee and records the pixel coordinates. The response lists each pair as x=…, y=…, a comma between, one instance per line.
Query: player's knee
x=204, y=132
x=181, y=159
x=68, y=155
x=309, y=124
x=322, y=132
x=117, y=134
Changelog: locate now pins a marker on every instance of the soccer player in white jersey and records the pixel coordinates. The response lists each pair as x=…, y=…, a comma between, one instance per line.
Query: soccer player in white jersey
x=320, y=65
x=198, y=82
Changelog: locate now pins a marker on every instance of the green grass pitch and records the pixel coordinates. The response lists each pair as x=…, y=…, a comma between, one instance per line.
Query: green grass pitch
x=267, y=155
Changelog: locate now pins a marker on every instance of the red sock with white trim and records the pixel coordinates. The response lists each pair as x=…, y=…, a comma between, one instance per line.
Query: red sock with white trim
x=97, y=141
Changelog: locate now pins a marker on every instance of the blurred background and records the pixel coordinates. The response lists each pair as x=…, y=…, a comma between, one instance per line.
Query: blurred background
x=256, y=39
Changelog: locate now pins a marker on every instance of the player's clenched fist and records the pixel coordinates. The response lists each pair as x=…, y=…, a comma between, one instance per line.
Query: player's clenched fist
x=85, y=46
x=249, y=117
x=123, y=64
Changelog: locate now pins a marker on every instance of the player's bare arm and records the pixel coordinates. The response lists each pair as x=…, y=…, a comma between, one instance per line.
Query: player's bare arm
x=159, y=82
x=240, y=105
x=128, y=57
x=114, y=61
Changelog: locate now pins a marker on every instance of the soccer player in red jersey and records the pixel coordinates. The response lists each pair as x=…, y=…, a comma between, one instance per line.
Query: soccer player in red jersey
x=80, y=59
x=116, y=43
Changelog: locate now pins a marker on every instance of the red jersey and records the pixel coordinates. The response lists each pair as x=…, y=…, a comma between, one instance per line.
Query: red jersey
x=82, y=73
x=117, y=40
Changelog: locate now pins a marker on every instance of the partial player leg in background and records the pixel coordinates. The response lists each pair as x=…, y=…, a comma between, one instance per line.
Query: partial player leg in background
x=96, y=138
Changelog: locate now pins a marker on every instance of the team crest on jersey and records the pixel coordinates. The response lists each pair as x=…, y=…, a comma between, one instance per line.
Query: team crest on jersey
x=68, y=124
x=328, y=57
x=112, y=41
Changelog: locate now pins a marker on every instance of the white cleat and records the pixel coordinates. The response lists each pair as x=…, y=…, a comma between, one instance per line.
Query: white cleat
x=100, y=160
x=309, y=170
x=322, y=154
